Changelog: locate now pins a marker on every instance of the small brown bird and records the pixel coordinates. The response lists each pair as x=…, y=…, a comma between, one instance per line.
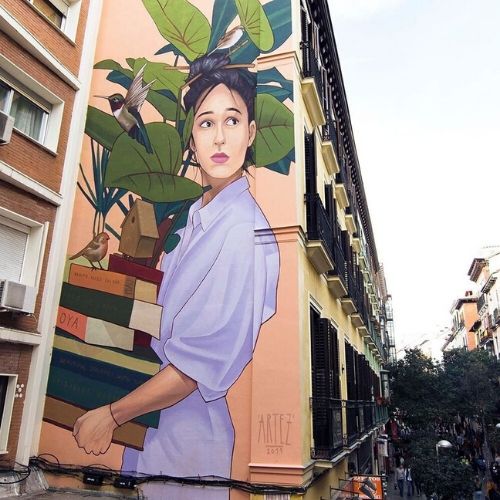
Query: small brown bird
x=95, y=250
x=229, y=39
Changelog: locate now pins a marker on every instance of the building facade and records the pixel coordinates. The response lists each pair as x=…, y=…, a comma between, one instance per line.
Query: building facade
x=279, y=341
x=464, y=317
x=42, y=60
x=484, y=272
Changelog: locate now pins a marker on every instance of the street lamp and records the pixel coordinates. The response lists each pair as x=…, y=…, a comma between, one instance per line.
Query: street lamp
x=442, y=444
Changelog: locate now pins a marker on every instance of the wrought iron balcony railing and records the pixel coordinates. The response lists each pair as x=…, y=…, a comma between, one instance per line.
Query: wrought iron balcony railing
x=310, y=65
x=327, y=427
x=318, y=223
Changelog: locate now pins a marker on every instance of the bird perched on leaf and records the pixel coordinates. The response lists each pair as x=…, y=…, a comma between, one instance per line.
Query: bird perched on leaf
x=229, y=39
x=127, y=109
x=95, y=250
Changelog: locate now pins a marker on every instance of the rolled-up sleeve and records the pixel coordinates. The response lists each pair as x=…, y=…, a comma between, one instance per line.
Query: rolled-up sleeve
x=214, y=333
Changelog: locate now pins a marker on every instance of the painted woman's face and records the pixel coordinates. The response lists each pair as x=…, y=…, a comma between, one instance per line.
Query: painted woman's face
x=221, y=133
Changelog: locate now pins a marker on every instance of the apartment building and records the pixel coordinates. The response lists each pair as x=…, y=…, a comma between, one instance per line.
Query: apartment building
x=464, y=316
x=42, y=53
x=301, y=400
x=484, y=272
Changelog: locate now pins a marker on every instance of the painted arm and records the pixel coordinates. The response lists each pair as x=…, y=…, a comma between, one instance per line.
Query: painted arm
x=93, y=431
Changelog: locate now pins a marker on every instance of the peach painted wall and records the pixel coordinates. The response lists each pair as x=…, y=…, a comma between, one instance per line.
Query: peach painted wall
x=265, y=402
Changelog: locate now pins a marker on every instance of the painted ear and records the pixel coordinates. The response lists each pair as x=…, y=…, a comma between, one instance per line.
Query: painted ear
x=191, y=145
x=252, y=131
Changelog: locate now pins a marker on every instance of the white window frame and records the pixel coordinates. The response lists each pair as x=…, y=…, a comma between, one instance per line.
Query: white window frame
x=35, y=245
x=7, y=411
x=70, y=9
x=19, y=80
x=13, y=88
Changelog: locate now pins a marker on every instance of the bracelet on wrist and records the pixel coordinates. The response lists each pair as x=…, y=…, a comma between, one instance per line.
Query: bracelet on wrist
x=112, y=416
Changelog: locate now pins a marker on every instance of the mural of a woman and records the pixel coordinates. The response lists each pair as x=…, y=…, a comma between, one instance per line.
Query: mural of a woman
x=219, y=286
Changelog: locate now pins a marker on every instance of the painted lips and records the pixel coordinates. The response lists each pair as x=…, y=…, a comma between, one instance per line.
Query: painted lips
x=219, y=158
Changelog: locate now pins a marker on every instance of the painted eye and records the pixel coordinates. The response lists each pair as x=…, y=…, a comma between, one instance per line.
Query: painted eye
x=232, y=121
x=206, y=124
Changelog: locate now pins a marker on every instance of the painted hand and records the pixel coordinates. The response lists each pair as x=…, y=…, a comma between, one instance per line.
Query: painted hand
x=93, y=431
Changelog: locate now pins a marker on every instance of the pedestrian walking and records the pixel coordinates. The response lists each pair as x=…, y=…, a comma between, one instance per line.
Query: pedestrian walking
x=400, y=479
x=409, y=481
x=478, y=489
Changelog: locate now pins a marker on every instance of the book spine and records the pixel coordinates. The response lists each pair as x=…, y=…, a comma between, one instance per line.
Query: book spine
x=104, y=281
x=65, y=415
x=72, y=322
x=106, y=355
x=121, y=265
x=95, y=370
x=89, y=394
x=96, y=304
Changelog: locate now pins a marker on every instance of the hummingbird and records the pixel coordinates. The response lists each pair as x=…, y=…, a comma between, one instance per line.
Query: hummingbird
x=95, y=250
x=126, y=109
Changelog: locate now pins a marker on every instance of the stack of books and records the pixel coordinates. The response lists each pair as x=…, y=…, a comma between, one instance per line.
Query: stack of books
x=101, y=352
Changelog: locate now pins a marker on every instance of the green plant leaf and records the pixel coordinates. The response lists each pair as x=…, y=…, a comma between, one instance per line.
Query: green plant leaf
x=188, y=127
x=103, y=128
x=151, y=176
x=171, y=242
x=275, y=130
x=223, y=15
x=279, y=15
x=182, y=24
x=256, y=23
x=282, y=166
x=165, y=76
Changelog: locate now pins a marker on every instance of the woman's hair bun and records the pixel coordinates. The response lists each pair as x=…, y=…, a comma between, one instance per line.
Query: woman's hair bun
x=208, y=64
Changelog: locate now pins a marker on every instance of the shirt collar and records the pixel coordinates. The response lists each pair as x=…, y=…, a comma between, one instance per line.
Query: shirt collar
x=207, y=214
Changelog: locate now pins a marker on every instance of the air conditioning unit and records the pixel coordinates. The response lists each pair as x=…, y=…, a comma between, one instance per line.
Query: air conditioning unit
x=6, y=125
x=17, y=297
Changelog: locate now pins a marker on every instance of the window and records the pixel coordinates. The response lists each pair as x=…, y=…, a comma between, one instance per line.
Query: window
x=63, y=14
x=37, y=111
x=7, y=396
x=326, y=404
x=29, y=117
x=22, y=243
x=54, y=11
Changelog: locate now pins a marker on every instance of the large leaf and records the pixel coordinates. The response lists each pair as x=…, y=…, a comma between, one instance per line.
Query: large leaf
x=279, y=14
x=164, y=101
x=275, y=130
x=151, y=176
x=168, y=48
x=103, y=128
x=166, y=77
x=278, y=92
x=256, y=23
x=188, y=128
x=272, y=75
x=182, y=24
x=223, y=15
x=282, y=166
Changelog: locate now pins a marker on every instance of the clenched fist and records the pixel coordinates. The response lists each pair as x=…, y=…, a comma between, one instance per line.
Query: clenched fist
x=93, y=431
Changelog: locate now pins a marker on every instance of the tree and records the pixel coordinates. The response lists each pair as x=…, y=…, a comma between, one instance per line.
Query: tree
x=415, y=389
x=445, y=475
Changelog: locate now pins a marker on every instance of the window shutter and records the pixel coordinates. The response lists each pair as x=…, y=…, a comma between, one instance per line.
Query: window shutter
x=12, y=249
x=335, y=363
x=310, y=163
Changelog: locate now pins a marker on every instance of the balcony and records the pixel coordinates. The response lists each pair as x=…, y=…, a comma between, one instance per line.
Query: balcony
x=349, y=221
x=481, y=303
x=341, y=187
x=319, y=234
x=329, y=145
x=336, y=278
x=327, y=428
x=356, y=243
x=312, y=88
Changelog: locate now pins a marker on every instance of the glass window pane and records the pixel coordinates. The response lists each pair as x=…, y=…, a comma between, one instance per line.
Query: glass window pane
x=4, y=94
x=27, y=115
x=49, y=11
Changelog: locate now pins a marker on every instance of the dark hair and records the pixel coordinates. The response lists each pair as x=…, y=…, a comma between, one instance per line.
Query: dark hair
x=209, y=71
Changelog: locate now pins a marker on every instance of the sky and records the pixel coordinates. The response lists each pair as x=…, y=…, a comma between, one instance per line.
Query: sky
x=422, y=79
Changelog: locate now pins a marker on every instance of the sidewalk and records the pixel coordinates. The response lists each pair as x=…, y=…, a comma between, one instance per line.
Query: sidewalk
x=393, y=494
